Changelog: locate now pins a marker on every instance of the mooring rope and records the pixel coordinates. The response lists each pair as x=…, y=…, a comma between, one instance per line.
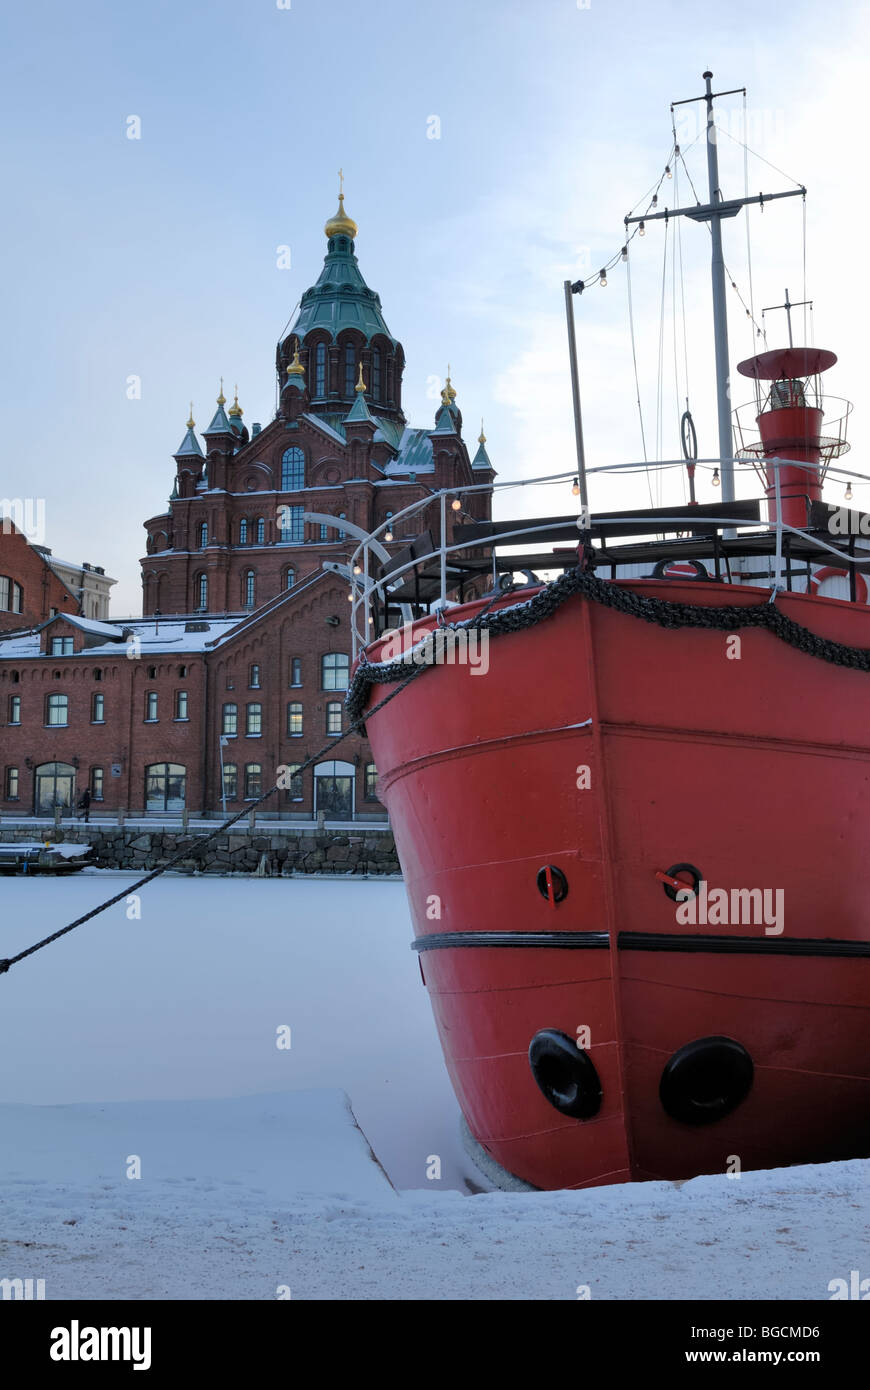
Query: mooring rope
x=189, y=851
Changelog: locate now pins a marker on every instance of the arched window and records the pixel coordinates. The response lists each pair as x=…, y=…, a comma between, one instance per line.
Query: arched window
x=349, y=370
x=249, y=588
x=320, y=370
x=202, y=591
x=203, y=534
x=261, y=531
x=376, y=374
x=165, y=786
x=243, y=531
x=292, y=470
x=289, y=577
x=342, y=535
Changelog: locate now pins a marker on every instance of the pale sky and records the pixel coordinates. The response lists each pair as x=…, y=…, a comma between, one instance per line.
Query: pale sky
x=157, y=257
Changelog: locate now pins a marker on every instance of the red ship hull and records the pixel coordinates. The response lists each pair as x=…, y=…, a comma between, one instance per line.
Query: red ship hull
x=751, y=764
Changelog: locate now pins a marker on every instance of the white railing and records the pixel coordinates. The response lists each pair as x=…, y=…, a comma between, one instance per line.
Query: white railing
x=364, y=587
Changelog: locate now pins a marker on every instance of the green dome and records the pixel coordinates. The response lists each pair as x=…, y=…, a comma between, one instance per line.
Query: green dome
x=341, y=298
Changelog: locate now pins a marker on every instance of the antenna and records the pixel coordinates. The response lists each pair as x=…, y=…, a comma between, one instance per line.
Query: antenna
x=713, y=212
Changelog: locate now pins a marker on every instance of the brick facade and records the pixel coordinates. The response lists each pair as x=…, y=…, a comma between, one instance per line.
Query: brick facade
x=246, y=635
x=30, y=591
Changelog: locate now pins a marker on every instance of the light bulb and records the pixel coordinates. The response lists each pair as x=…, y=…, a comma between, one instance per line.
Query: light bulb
x=388, y=536
x=715, y=477
x=456, y=504
x=641, y=231
x=576, y=487
x=655, y=200
x=676, y=151
x=357, y=569
x=848, y=493
x=350, y=598
x=668, y=171
x=625, y=253
x=602, y=278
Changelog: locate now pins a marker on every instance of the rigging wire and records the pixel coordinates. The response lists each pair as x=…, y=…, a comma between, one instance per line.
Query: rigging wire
x=755, y=153
x=747, y=221
x=660, y=374
x=636, y=377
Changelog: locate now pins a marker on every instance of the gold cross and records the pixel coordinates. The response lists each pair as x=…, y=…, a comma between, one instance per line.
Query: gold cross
x=341, y=183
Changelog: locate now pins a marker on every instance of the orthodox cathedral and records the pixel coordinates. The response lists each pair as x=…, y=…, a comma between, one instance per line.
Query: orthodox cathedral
x=240, y=662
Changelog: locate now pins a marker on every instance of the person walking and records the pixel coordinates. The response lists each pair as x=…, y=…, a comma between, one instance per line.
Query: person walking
x=85, y=804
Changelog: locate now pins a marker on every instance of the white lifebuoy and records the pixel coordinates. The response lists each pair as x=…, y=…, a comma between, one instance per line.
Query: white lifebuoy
x=830, y=572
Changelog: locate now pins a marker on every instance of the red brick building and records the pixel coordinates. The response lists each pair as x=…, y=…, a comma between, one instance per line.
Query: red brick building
x=30, y=591
x=244, y=651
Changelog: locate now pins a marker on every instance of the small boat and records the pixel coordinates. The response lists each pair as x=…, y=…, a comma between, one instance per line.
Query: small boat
x=43, y=858
x=634, y=837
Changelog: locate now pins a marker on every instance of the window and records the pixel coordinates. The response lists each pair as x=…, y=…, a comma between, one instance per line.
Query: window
x=57, y=709
x=14, y=709
x=335, y=671
x=376, y=374
x=61, y=646
x=150, y=706
x=261, y=531
x=342, y=517
x=293, y=468
x=231, y=781
x=152, y=673
x=165, y=787
x=294, y=721
x=289, y=577
x=254, y=678
x=320, y=370
x=254, y=721
x=249, y=588
x=201, y=592
x=243, y=531
x=203, y=535
x=371, y=782
x=97, y=783
x=296, y=670
x=230, y=722
x=349, y=370
x=324, y=531
x=253, y=781
x=11, y=595
x=292, y=525
x=98, y=709
x=293, y=790
x=181, y=704
x=98, y=673
x=333, y=717
x=182, y=671
x=12, y=784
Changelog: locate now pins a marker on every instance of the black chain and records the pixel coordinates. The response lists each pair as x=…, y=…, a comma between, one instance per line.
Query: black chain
x=650, y=610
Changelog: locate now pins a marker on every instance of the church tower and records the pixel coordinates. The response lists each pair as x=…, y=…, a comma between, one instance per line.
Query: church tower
x=253, y=514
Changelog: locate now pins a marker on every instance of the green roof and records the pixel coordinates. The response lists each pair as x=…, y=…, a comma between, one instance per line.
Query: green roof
x=341, y=298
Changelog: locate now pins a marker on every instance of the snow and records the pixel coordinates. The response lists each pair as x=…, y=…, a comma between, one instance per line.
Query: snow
x=156, y=1037
x=185, y=1002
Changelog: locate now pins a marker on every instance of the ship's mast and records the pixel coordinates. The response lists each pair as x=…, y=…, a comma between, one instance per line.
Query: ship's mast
x=713, y=212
